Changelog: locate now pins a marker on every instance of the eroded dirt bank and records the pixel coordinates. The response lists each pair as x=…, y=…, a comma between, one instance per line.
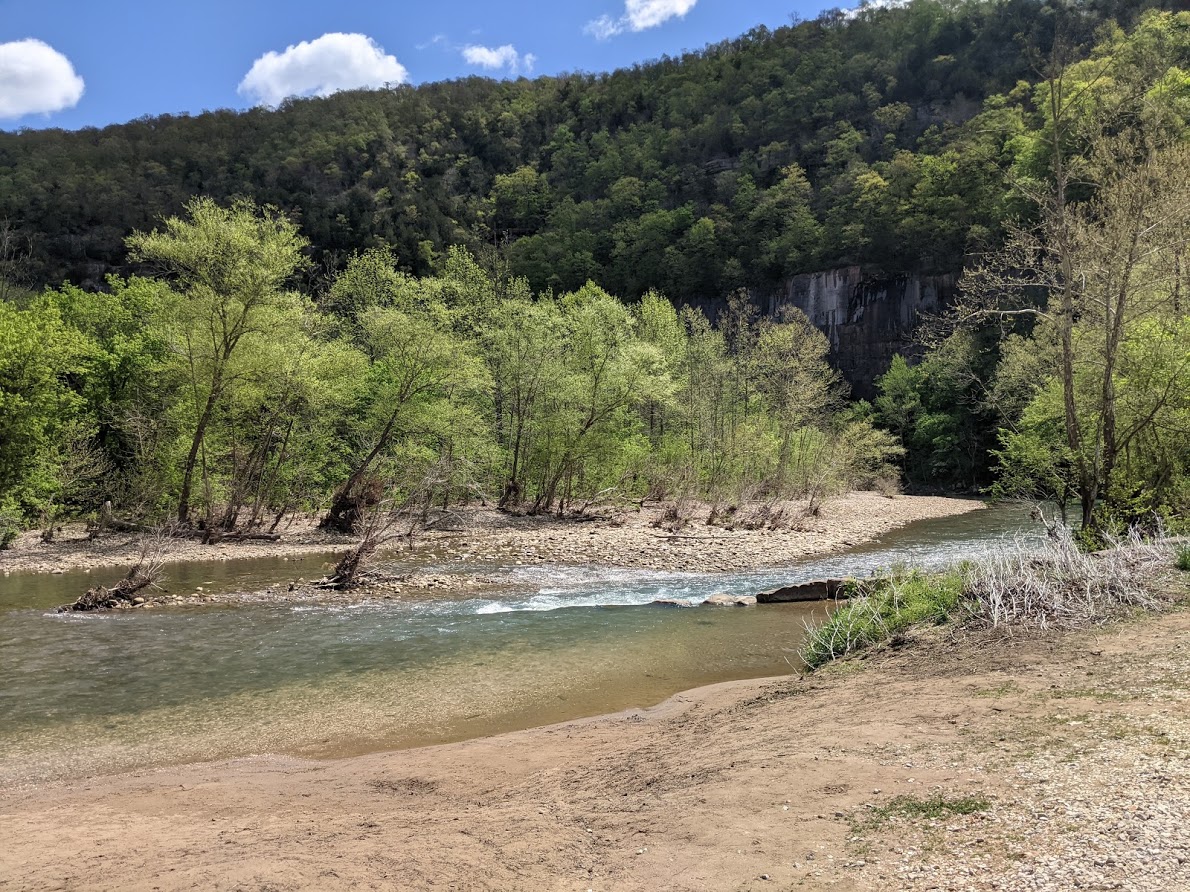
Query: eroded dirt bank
x=1076, y=747
x=626, y=539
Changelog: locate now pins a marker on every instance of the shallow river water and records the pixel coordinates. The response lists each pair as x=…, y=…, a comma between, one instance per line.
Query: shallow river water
x=99, y=693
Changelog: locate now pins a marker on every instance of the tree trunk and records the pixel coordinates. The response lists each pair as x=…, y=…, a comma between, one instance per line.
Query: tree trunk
x=192, y=457
x=344, y=512
x=512, y=488
x=1088, y=491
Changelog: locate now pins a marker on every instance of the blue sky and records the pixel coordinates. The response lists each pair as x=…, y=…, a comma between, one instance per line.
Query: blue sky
x=77, y=63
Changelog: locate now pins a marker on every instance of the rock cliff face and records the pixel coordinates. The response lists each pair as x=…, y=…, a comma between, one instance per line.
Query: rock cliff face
x=868, y=319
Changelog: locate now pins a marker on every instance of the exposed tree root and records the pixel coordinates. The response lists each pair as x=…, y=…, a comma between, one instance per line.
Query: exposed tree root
x=144, y=574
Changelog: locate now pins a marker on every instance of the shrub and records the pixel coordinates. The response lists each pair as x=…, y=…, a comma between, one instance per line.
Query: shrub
x=1054, y=584
x=1182, y=558
x=881, y=608
x=10, y=524
x=1061, y=585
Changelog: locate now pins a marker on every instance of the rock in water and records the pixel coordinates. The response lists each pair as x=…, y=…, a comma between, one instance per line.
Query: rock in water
x=725, y=600
x=815, y=590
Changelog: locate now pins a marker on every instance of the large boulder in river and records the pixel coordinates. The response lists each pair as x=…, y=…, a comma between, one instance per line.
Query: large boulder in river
x=814, y=590
x=671, y=602
x=724, y=600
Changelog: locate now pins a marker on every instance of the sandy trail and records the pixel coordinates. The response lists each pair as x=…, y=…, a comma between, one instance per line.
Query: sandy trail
x=747, y=785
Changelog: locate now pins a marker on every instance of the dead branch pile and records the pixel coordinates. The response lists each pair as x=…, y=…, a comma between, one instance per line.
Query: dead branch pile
x=1061, y=586
x=100, y=596
x=347, y=572
x=146, y=573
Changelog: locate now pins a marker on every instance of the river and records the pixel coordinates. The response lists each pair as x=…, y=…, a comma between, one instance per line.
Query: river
x=101, y=693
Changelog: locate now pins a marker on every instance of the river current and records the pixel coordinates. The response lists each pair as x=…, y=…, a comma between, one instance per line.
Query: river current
x=100, y=693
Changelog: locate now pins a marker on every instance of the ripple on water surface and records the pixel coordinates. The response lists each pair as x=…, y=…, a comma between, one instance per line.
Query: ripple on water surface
x=100, y=693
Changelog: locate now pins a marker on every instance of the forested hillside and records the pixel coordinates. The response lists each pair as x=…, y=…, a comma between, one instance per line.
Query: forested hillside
x=357, y=349
x=847, y=139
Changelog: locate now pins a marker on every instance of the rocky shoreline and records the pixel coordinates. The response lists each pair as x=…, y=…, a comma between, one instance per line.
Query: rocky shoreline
x=374, y=587
x=487, y=539
x=478, y=554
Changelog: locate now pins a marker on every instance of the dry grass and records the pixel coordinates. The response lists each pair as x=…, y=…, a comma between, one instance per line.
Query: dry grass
x=1059, y=586
x=1028, y=586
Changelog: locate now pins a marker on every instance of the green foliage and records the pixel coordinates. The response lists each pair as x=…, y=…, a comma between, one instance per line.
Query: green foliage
x=128, y=381
x=828, y=142
x=936, y=807
x=1122, y=453
x=1072, y=340
x=369, y=280
x=879, y=610
x=39, y=354
x=942, y=412
x=229, y=267
x=1034, y=462
x=216, y=388
x=11, y=524
x=1182, y=558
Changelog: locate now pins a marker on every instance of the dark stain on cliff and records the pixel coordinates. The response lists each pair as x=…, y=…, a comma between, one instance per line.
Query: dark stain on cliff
x=868, y=318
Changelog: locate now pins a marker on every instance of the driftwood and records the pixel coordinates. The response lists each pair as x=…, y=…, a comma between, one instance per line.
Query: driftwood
x=210, y=534
x=144, y=574
x=124, y=526
x=139, y=577
x=346, y=572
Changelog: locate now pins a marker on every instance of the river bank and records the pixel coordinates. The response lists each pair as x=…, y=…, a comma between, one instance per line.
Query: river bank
x=1068, y=752
x=483, y=536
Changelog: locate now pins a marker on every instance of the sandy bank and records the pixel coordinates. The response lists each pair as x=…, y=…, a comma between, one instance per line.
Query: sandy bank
x=626, y=539
x=1077, y=745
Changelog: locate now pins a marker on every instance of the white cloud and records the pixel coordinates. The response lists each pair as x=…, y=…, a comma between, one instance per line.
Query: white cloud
x=644, y=14
x=433, y=41
x=639, y=15
x=320, y=67
x=604, y=27
x=36, y=79
x=499, y=57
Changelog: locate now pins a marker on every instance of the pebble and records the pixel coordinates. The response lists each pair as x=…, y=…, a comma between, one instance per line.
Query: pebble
x=1102, y=804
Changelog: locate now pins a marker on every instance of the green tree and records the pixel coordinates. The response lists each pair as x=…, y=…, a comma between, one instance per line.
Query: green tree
x=795, y=381
x=230, y=266
x=128, y=382
x=524, y=348
x=418, y=368
x=1111, y=270
x=38, y=356
x=605, y=370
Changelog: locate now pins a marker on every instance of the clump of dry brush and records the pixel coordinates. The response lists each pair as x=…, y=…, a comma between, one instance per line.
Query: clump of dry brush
x=1029, y=585
x=1061, y=586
